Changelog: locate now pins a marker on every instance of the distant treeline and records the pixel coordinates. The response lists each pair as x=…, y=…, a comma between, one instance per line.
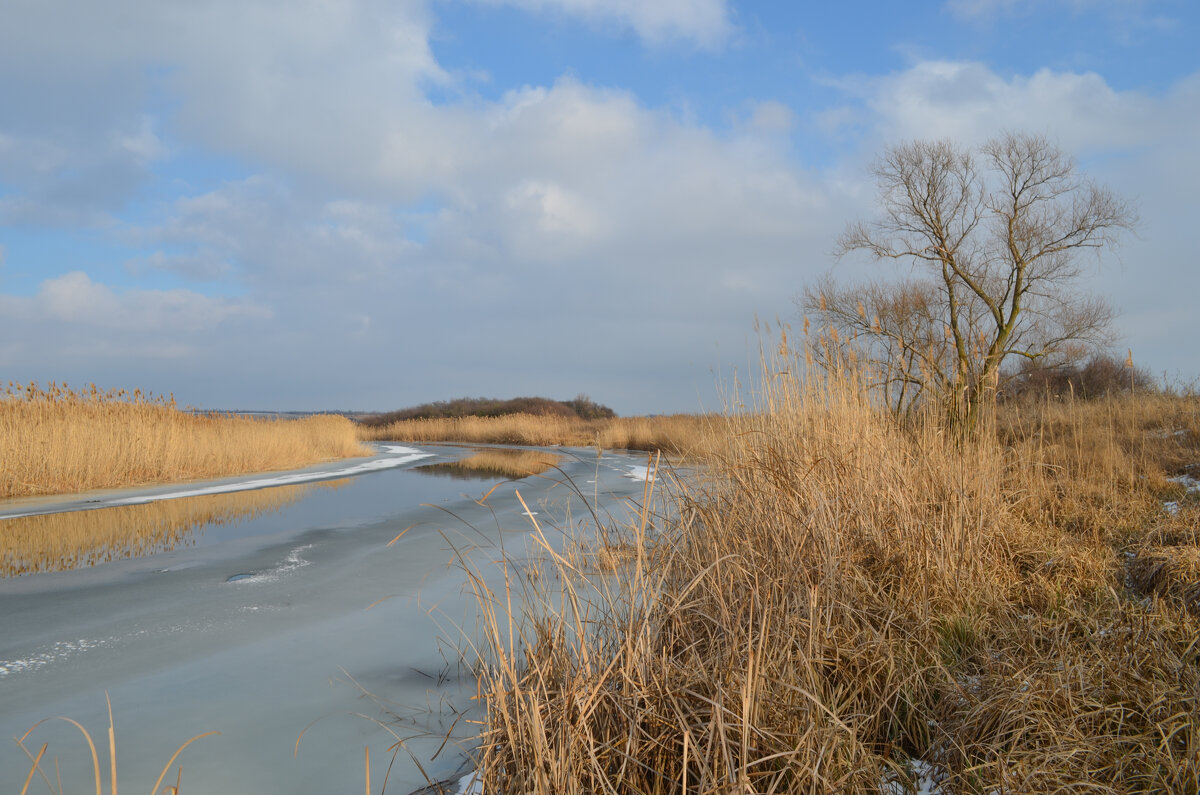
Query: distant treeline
x=582, y=406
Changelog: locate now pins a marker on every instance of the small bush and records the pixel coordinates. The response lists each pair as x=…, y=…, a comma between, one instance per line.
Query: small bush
x=1103, y=374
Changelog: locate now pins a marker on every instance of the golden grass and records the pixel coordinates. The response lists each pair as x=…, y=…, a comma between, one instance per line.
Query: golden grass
x=845, y=595
x=57, y=441
x=676, y=434
x=62, y=541
x=500, y=463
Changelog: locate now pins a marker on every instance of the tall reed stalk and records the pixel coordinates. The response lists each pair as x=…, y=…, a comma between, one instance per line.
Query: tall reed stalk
x=846, y=604
x=57, y=440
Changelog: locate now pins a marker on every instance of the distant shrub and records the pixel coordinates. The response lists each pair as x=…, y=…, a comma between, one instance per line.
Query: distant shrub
x=589, y=409
x=582, y=406
x=1103, y=374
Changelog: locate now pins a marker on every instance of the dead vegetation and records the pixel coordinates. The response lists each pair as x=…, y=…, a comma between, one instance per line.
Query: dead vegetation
x=677, y=434
x=847, y=594
x=58, y=441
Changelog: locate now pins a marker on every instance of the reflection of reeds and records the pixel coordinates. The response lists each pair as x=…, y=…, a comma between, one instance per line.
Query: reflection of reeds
x=61, y=541
x=56, y=441
x=676, y=433
x=497, y=464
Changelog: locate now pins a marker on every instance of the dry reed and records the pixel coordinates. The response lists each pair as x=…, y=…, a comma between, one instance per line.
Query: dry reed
x=676, y=434
x=56, y=441
x=846, y=595
x=39, y=762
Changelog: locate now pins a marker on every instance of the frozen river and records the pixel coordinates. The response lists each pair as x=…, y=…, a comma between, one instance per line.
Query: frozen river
x=266, y=614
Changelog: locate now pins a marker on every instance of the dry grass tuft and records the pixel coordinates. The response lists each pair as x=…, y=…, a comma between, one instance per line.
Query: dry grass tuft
x=58, y=441
x=845, y=595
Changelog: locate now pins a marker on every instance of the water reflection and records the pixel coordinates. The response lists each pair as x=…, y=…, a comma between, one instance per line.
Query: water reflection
x=62, y=541
x=492, y=464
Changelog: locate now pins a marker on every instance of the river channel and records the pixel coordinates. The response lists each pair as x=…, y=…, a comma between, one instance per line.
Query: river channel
x=279, y=616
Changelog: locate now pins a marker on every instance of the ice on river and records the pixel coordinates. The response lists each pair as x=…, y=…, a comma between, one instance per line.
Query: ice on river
x=300, y=635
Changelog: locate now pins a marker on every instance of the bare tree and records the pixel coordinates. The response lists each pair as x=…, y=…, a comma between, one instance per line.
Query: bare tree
x=994, y=245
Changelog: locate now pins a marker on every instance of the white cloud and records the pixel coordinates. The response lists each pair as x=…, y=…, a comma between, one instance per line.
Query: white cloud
x=772, y=117
x=551, y=209
x=143, y=143
x=703, y=22
x=74, y=299
x=377, y=214
x=970, y=102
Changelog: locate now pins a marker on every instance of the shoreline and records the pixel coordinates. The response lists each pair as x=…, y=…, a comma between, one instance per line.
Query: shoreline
x=387, y=456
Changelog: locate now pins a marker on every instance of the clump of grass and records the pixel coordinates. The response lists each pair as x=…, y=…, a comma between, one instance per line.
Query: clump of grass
x=846, y=594
x=57, y=440
x=62, y=541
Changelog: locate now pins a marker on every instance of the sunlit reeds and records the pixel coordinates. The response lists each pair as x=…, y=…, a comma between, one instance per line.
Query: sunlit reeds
x=845, y=595
x=62, y=541
x=676, y=433
x=56, y=440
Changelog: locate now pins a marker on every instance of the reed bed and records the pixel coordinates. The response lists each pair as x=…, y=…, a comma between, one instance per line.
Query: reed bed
x=677, y=434
x=846, y=604
x=62, y=541
x=57, y=440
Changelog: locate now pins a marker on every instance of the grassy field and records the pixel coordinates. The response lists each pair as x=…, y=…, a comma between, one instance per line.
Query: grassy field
x=57, y=441
x=848, y=605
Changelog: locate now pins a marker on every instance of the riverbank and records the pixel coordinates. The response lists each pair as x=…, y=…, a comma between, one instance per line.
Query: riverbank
x=856, y=604
x=61, y=441
x=675, y=434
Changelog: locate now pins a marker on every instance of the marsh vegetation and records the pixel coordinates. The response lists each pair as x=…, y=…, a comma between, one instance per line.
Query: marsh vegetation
x=852, y=601
x=56, y=440
x=681, y=434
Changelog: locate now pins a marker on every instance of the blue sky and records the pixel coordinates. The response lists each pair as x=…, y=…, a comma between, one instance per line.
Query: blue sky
x=368, y=204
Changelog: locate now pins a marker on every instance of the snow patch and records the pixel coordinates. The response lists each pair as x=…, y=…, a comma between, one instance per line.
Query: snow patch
x=1188, y=482
x=394, y=456
x=59, y=651
x=923, y=779
x=469, y=785
x=639, y=472
x=291, y=563
x=1191, y=484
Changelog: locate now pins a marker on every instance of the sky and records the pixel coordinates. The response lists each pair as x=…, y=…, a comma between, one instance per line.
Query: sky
x=367, y=204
